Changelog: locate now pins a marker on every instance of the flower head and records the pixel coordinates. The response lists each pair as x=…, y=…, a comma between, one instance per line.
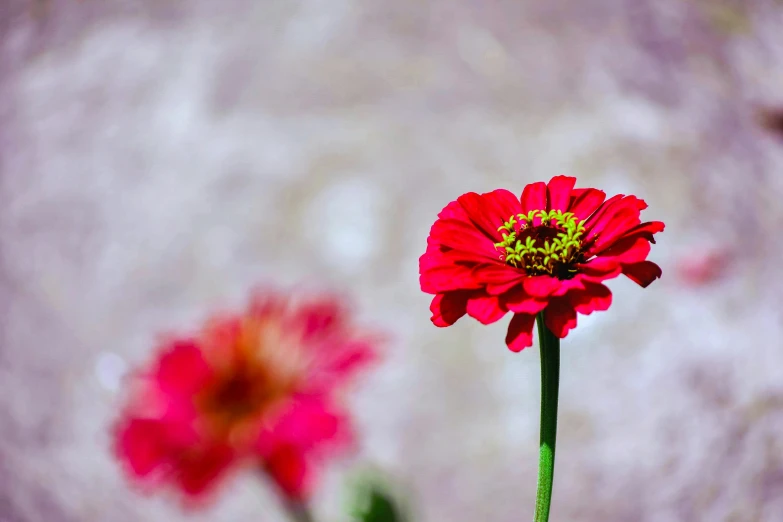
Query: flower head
x=548, y=250
x=260, y=388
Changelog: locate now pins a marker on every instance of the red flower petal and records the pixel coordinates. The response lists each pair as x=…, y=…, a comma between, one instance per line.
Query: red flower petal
x=585, y=201
x=541, y=286
x=447, y=279
x=614, y=220
x=520, y=332
x=601, y=267
x=485, y=308
x=321, y=316
x=627, y=251
x=462, y=236
x=310, y=423
x=441, y=272
x=519, y=301
x=645, y=230
x=266, y=301
x=453, y=211
x=643, y=273
x=559, y=192
x=560, y=316
x=219, y=338
x=617, y=227
x=354, y=356
x=198, y=472
x=142, y=444
x=602, y=210
x=595, y=297
x=534, y=197
x=498, y=277
x=489, y=211
x=569, y=285
x=182, y=369
x=288, y=468
x=448, y=308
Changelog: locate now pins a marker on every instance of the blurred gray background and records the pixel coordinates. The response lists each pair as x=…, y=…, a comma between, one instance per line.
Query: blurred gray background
x=158, y=158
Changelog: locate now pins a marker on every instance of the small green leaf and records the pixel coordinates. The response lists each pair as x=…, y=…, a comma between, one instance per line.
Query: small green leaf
x=377, y=505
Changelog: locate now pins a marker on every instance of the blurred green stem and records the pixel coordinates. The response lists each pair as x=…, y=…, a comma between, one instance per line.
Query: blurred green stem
x=550, y=380
x=298, y=511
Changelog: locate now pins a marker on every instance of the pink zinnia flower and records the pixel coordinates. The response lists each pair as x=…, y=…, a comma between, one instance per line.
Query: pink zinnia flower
x=259, y=389
x=548, y=250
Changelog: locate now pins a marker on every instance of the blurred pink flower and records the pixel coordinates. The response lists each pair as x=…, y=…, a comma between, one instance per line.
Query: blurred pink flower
x=259, y=388
x=704, y=267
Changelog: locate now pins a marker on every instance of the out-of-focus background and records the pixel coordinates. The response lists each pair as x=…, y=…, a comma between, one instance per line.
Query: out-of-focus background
x=158, y=158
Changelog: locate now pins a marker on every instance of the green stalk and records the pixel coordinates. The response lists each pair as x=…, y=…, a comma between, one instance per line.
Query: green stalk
x=550, y=380
x=298, y=511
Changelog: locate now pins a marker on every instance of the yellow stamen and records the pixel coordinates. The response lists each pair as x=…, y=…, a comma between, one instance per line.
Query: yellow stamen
x=556, y=256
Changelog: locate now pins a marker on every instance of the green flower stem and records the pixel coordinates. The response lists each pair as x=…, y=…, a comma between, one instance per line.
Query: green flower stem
x=550, y=380
x=298, y=511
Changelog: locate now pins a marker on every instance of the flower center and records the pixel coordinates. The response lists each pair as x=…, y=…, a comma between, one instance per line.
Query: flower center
x=262, y=373
x=240, y=395
x=543, y=243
